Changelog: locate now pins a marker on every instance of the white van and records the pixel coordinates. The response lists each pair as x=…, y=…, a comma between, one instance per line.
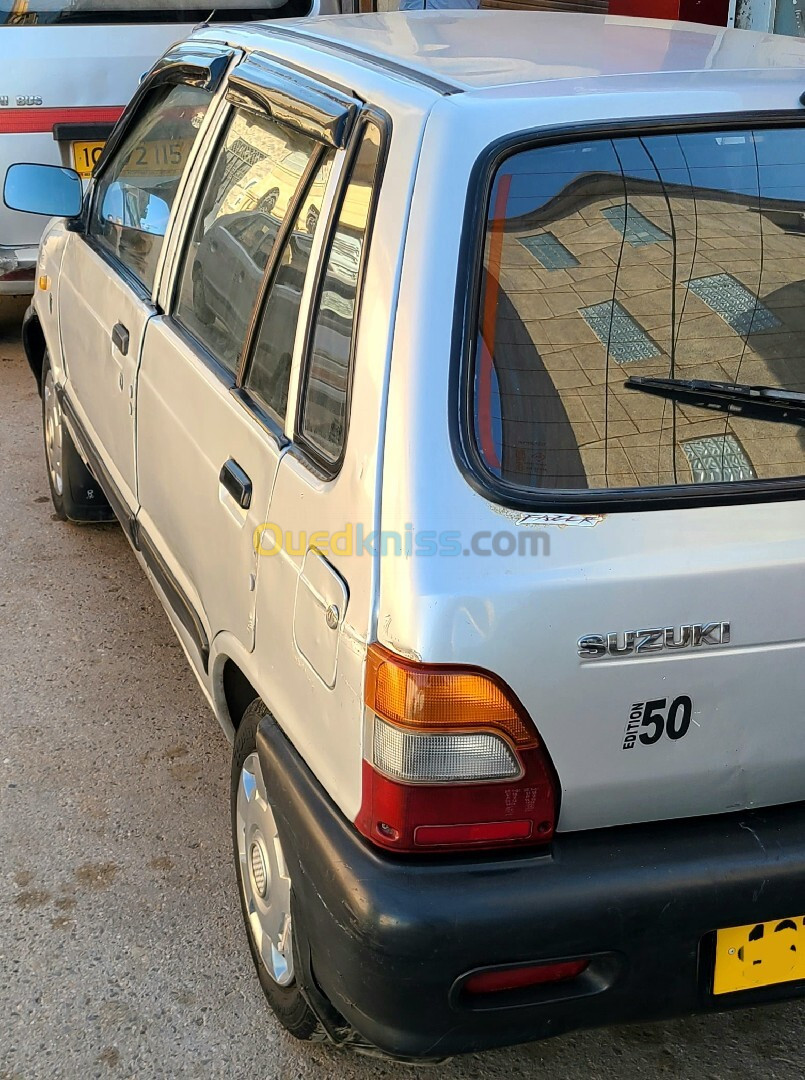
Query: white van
x=450, y=388
x=68, y=69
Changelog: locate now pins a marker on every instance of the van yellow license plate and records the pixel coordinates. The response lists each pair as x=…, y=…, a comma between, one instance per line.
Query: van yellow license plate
x=85, y=157
x=761, y=954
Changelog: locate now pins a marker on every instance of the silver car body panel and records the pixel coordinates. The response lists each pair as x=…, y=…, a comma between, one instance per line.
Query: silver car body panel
x=452, y=85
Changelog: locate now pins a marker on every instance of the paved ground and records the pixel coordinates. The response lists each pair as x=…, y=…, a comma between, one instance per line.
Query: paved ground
x=121, y=948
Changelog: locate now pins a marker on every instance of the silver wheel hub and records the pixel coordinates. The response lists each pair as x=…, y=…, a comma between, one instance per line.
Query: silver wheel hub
x=264, y=879
x=53, y=433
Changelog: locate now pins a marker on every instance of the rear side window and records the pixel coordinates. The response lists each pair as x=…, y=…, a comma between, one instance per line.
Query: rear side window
x=325, y=391
x=672, y=256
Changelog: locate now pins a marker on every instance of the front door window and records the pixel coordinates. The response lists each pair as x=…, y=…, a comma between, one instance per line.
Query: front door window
x=135, y=194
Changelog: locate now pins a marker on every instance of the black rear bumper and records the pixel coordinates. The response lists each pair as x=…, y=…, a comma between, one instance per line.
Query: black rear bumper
x=391, y=940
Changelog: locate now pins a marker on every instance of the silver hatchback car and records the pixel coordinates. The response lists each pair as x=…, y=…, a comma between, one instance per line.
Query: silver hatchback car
x=448, y=378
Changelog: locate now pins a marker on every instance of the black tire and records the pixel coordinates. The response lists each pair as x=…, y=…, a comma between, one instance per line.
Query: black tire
x=76, y=494
x=286, y=1002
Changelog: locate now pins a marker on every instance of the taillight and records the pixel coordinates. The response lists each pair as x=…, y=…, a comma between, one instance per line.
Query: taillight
x=451, y=761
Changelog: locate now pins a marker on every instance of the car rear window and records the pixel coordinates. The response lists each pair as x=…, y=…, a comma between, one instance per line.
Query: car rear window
x=668, y=255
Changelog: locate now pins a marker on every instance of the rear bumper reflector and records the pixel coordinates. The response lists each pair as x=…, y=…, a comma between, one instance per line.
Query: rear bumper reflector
x=29, y=121
x=498, y=981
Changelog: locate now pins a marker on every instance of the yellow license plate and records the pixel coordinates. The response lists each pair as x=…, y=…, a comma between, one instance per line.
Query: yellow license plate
x=85, y=157
x=760, y=954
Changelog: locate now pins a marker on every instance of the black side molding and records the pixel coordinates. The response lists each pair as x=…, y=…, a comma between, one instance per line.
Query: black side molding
x=183, y=609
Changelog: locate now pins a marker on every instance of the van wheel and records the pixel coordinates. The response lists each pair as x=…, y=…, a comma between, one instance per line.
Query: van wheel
x=264, y=884
x=76, y=495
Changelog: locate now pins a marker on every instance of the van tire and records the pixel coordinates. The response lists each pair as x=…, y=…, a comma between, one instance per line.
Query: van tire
x=76, y=494
x=288, y=1002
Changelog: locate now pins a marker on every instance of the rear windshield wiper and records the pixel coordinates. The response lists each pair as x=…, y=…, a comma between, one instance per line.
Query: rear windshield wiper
x=760, y=402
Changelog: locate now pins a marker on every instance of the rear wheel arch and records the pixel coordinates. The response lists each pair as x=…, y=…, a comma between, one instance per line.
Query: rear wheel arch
x=238, y=692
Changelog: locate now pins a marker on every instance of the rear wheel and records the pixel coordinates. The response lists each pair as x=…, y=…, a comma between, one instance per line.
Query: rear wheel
x=264, y=884
x=76, y=494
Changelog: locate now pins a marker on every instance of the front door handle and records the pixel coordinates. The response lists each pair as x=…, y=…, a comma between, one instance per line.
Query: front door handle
x=120, y=338
x=237, y=483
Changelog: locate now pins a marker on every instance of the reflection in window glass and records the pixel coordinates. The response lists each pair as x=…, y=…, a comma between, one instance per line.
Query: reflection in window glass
x=548, y=252
x=270, y=369
x=251, y=185
x=718, y=459
x=686, y=259
x=324, y=403
x=134, y=196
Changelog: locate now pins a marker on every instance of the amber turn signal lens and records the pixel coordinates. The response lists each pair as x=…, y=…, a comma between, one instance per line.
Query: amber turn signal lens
x=430, y=696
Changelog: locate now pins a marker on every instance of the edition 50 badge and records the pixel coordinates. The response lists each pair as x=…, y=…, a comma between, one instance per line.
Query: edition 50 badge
x=650, y=721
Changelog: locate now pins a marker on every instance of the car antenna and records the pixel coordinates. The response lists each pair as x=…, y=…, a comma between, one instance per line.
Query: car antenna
x=207, y=21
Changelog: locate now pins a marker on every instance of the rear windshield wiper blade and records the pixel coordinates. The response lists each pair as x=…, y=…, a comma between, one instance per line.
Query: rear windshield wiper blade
x=760, y=402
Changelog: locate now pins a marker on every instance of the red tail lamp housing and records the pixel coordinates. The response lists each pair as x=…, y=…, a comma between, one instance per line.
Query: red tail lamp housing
x=452, y=761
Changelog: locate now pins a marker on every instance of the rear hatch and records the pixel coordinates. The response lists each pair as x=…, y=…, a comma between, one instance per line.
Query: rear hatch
x=661, y=657
x=658, y=643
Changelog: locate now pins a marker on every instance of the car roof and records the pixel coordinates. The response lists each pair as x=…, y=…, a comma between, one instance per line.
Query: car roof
x=482, y=50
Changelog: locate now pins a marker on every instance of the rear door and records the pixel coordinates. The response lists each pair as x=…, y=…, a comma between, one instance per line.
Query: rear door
x=315, y=577
x=658, y=640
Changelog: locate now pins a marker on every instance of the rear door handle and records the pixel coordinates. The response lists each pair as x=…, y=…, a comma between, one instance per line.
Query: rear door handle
x=120, y=338
x=237, y=483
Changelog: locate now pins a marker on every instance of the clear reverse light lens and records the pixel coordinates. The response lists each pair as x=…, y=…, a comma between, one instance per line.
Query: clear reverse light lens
x=441, y=758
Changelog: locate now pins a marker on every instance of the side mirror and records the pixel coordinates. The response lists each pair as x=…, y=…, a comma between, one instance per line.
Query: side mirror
x=43, y=189
x=134, y=208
